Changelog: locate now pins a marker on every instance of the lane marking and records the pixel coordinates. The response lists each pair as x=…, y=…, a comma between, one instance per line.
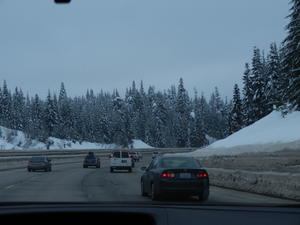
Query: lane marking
x=10, y=186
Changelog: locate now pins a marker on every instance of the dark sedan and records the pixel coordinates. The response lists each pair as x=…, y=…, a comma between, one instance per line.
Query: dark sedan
x=39, y=163
x=91, y=160
x=178, y=175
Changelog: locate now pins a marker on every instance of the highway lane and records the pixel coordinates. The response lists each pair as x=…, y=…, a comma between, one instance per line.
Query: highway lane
x=72, y=183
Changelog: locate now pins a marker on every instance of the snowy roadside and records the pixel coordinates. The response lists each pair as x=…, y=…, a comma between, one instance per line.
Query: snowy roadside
x=283, y=185
x=17, y=140
x=261, y=158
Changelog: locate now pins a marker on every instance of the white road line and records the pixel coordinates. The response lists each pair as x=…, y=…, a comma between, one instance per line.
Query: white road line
x=10, y=186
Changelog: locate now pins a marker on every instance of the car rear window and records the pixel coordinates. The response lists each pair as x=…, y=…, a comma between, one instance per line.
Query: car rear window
x=174, y=163
x=125, y=154
x=38, y=159
x=116, y=154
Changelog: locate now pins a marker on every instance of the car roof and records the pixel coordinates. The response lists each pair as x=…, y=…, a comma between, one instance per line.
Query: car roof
x=176, y=156
x=120, y=151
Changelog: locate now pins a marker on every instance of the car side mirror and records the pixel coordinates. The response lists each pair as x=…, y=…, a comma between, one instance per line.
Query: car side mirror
x=144, y=168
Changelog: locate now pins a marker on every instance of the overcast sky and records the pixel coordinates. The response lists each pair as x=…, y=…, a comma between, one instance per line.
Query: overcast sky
x=105, y=44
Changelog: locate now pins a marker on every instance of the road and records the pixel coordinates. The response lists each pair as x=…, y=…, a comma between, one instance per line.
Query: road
x=72, y=183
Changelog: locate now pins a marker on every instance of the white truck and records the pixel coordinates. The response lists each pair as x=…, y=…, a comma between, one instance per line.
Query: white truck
x=120, y=160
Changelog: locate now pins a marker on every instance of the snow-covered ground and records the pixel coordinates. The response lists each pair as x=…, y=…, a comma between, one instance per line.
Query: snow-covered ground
x=271, y=133
x=210, y=139
x=16, y=140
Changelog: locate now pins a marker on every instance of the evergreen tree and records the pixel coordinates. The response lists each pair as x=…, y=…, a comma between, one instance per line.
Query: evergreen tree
x=236, y=116
x=183, y=115
x=259, y=81
x=247, y=102
x=50, y=116
x=291, y=61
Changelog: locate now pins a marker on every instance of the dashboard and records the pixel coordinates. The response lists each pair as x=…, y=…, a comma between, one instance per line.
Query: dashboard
x=148, y=214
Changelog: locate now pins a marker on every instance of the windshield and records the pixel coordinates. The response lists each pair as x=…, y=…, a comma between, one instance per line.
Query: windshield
x=173, y=163
x=116, y=92
x=38, y=159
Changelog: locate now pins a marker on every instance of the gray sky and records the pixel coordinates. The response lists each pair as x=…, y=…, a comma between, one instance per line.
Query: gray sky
x=108, y=43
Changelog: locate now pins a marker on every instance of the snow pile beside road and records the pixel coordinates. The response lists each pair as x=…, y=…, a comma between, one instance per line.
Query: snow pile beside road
x=284, y=185
x=67, y=144
x=140, y=144
x=269, y=134
x=16, y=140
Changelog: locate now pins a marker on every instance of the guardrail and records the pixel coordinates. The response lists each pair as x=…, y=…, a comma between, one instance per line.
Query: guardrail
x=18, y=159
x=8, y=153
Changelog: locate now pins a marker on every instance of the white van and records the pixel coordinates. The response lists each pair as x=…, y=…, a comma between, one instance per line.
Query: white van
x=120, y=160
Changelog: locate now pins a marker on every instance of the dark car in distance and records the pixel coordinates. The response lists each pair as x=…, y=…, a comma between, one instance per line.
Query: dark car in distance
x=180, y=175
x=39, y=163
x=91, y=160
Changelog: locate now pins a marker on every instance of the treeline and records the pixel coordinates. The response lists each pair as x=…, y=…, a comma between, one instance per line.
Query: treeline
x=271, y=81
x=170, y=118
x=163, y=119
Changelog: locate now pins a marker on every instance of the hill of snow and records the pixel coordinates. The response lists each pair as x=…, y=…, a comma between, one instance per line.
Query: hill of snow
x=17, y=140
x=271, y=133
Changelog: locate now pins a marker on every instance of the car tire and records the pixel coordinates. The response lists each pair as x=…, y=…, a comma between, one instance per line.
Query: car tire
x=154, y=194
x=111, y=169
x=50, y=169
x=203, y=196
x=130, y=170
x=29, y=170
x=143, y=193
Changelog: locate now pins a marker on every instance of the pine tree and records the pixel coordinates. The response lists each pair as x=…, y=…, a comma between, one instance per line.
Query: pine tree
x=236, y=116
x=65, y=115
x=6, y=107
x=50, y=116
x=291, y=61
x=275, y=97
x=183, y=113
x=258, y=81
x=197, y=134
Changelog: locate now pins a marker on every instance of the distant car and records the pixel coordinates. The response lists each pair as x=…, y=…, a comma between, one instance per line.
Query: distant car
x=175, y=175
x=91, y=160
x=39, y=163
x=121, y=160
x=154, y=154
x=135, y=156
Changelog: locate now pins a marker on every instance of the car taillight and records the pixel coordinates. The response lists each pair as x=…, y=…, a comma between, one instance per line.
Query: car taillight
x=167, y=175
x=202, y=175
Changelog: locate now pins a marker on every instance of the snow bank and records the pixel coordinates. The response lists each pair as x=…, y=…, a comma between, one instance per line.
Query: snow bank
x=284, y=185
x=269, y=134
x=16, y=140
x=140, y=144
x=210, y=139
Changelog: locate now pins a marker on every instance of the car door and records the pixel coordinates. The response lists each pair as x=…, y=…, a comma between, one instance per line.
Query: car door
x=150, y=174
x=153, y=171
x=146, y=177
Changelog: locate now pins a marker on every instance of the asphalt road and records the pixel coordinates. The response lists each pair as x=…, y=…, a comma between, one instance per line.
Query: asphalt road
x=72, y=183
